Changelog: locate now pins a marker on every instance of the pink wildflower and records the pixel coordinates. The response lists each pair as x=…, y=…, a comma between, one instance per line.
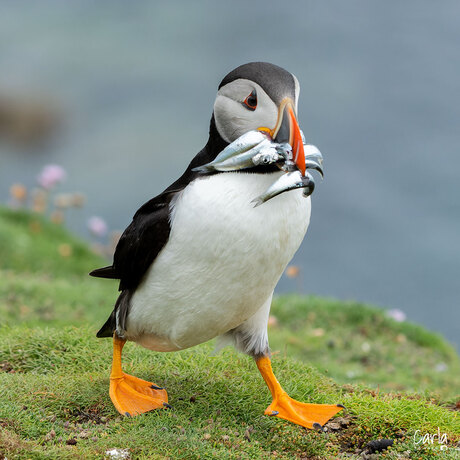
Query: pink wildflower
x=397, y=315
x=50, y=176
x=97, y=226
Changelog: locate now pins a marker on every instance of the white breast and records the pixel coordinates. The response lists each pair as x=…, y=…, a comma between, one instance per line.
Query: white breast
x=222, y=260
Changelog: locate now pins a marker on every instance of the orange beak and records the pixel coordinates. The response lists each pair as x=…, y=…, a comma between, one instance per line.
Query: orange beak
x=287, y=130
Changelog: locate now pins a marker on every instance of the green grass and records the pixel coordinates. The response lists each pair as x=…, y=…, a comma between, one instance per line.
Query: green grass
x=355, y=343
x=30, y=243
x=54, y=384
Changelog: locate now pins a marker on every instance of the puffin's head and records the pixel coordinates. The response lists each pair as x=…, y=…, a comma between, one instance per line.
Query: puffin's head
x=260, y=96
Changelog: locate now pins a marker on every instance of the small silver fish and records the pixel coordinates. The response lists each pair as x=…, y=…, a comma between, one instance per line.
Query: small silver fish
x=272, y=154
x=236, y=162
x=313, y=158
x=310, y=164
x=244, y=143
x=241, y=147
x=263, y=153
x=312, y=153
x=289, y=181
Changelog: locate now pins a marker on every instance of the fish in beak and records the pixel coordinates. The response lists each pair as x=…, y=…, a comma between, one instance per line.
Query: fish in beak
x=287, y=130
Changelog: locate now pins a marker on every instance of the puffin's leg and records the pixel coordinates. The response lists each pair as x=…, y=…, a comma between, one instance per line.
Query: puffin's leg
x=251, y=338
x=283, y=406
x=130, y=395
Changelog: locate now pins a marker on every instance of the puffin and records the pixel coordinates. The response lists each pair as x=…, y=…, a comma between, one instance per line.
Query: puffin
x=199, y=261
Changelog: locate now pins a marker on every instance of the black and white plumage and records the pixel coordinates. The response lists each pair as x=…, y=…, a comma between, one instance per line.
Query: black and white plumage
x=199, y=261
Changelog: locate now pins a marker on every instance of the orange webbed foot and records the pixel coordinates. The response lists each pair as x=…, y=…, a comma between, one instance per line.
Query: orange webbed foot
x=283, y=406
x=304, y=414
x=132, y=396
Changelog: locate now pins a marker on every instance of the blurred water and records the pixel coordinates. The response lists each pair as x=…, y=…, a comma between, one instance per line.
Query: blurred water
x=380, y=97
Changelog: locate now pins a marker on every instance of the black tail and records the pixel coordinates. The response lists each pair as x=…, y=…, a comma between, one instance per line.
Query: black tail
x=105, y=272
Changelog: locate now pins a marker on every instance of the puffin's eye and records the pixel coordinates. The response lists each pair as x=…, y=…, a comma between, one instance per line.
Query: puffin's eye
x=251, y=101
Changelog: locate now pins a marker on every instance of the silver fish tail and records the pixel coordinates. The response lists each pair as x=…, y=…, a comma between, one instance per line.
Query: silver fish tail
x=289, y=181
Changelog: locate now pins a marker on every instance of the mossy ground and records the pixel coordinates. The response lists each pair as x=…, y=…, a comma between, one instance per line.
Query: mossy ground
x=394, y=378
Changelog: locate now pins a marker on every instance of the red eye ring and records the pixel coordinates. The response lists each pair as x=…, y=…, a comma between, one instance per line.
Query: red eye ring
x=251, y=101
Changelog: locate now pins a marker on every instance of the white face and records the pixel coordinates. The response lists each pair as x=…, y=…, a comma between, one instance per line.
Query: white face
x=234, y=118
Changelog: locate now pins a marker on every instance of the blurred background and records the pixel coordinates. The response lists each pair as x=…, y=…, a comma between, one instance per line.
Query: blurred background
x=120, y=95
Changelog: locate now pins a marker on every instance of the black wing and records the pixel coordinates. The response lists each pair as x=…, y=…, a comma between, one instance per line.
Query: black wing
x=136, y=250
